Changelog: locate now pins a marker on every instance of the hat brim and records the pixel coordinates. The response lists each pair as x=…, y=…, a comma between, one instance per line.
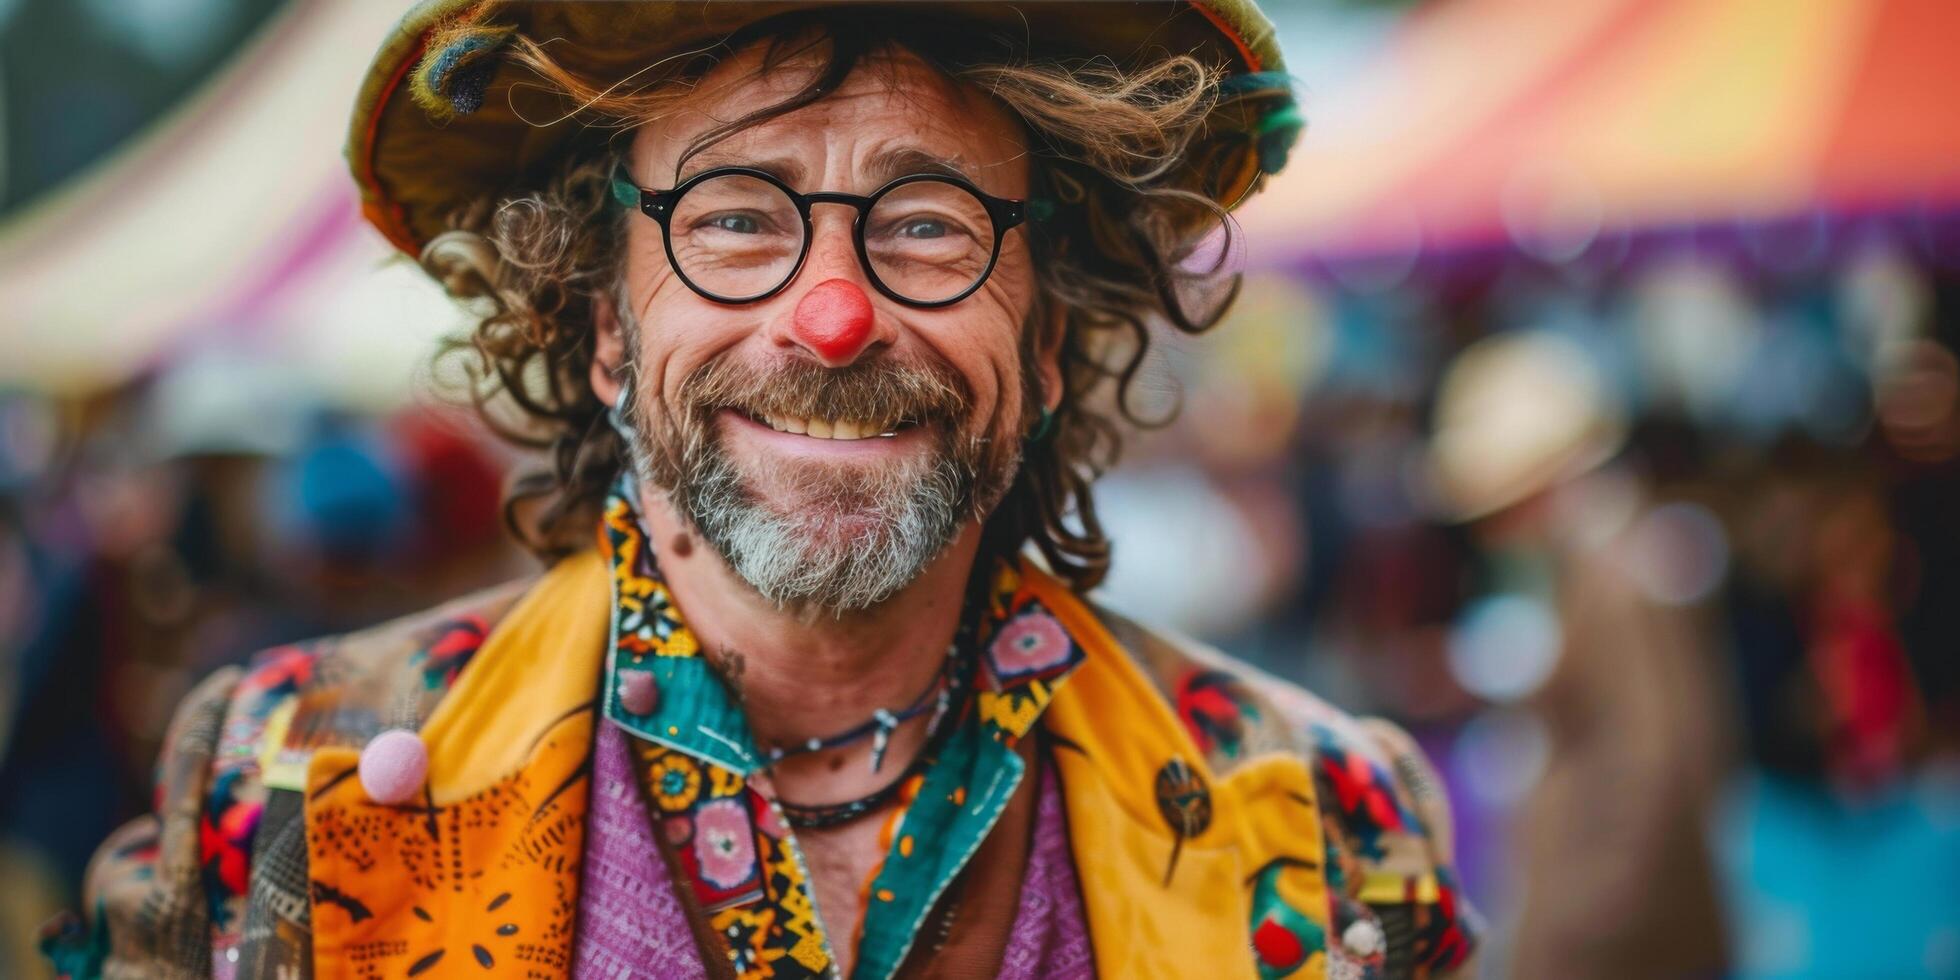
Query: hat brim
x=415, y=169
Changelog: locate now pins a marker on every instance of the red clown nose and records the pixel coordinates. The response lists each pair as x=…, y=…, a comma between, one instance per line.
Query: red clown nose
x=833, y=320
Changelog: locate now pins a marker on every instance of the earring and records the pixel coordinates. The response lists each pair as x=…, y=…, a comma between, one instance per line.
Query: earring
x=1043, y=428
x=615, y=413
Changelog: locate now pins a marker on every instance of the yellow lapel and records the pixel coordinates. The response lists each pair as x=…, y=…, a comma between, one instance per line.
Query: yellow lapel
x=1130, y=773
x=482, y=875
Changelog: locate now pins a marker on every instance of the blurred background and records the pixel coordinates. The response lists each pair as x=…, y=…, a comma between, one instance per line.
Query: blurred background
x=1591, y=408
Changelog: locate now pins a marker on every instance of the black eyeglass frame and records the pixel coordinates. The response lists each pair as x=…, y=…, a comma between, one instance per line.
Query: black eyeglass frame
x=1005, y=213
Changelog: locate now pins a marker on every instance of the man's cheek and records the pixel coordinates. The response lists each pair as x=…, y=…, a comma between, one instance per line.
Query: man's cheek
x=657, y=293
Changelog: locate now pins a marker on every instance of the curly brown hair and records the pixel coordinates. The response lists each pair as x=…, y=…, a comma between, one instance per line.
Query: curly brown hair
x=1115, y=254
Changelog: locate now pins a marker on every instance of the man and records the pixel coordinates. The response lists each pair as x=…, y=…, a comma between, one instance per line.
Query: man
x=821, y=314
x=1616, y=880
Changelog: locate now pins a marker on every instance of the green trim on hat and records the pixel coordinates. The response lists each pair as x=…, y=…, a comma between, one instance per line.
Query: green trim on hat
x=454, y=137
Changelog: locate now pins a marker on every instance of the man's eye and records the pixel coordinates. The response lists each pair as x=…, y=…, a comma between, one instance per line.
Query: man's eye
x=922, y=228
x=740, y=224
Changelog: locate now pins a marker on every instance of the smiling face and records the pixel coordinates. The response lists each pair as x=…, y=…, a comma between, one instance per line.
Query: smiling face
x=827, y=441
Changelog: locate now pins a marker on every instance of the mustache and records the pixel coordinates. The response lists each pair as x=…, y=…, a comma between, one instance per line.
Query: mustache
x=882, y=389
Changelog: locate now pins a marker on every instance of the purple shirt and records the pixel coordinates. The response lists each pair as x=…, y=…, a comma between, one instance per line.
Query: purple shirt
x=631, y=924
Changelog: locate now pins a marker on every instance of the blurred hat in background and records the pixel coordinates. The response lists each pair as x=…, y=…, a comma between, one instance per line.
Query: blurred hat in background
x=222, y=402
x=342, y=497
x=1517, y=414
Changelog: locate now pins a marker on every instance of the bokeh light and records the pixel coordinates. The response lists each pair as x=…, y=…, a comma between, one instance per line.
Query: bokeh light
x=1504, y=647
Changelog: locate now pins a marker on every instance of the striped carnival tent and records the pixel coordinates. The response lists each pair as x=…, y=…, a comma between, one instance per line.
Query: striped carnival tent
x=1485, y=125
x=230, y=223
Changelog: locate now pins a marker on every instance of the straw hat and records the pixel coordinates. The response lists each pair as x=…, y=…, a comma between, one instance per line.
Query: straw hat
x=434, y=127
x=1516, y=414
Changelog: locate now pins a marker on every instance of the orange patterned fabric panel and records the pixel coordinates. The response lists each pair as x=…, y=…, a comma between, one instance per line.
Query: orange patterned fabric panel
x=487, y=885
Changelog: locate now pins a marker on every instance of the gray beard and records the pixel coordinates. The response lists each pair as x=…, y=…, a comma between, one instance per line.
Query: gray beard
x=849, y=539
x=852, y=539
x=898, y=522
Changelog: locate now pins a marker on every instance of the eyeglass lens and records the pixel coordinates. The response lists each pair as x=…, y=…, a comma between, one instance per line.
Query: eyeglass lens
x=739, y=237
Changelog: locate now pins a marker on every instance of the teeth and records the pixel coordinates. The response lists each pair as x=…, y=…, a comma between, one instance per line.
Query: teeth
x=846, y=429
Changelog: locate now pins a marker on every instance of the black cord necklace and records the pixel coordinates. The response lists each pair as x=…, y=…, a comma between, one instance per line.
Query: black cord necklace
x=937, y=696
x=950, y=703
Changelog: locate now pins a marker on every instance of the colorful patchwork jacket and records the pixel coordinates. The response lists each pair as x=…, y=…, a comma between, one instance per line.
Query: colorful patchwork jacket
x=1224, y=824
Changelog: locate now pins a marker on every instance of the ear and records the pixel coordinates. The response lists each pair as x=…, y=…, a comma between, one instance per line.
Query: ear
x=608, y=349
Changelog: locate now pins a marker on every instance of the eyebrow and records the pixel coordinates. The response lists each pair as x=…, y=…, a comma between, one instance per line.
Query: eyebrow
x=885, y=166
x=889, y=165
x=785, y=169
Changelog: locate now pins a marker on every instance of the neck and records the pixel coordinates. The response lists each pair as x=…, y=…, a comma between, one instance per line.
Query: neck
x=803, y=672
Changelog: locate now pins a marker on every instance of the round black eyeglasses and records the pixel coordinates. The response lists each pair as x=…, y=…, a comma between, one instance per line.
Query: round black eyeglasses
x=740, y=235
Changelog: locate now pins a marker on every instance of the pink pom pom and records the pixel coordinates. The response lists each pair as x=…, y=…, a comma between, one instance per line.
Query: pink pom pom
x=393, y=767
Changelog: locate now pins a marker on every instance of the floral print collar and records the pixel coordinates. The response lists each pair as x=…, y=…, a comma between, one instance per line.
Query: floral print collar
x=704, y=774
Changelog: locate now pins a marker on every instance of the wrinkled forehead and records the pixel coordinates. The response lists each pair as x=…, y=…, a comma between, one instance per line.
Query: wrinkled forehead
x=892, y=105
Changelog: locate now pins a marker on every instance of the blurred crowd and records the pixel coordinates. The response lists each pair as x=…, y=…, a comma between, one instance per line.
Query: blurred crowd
x=151, y=534
x=1658, y=556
